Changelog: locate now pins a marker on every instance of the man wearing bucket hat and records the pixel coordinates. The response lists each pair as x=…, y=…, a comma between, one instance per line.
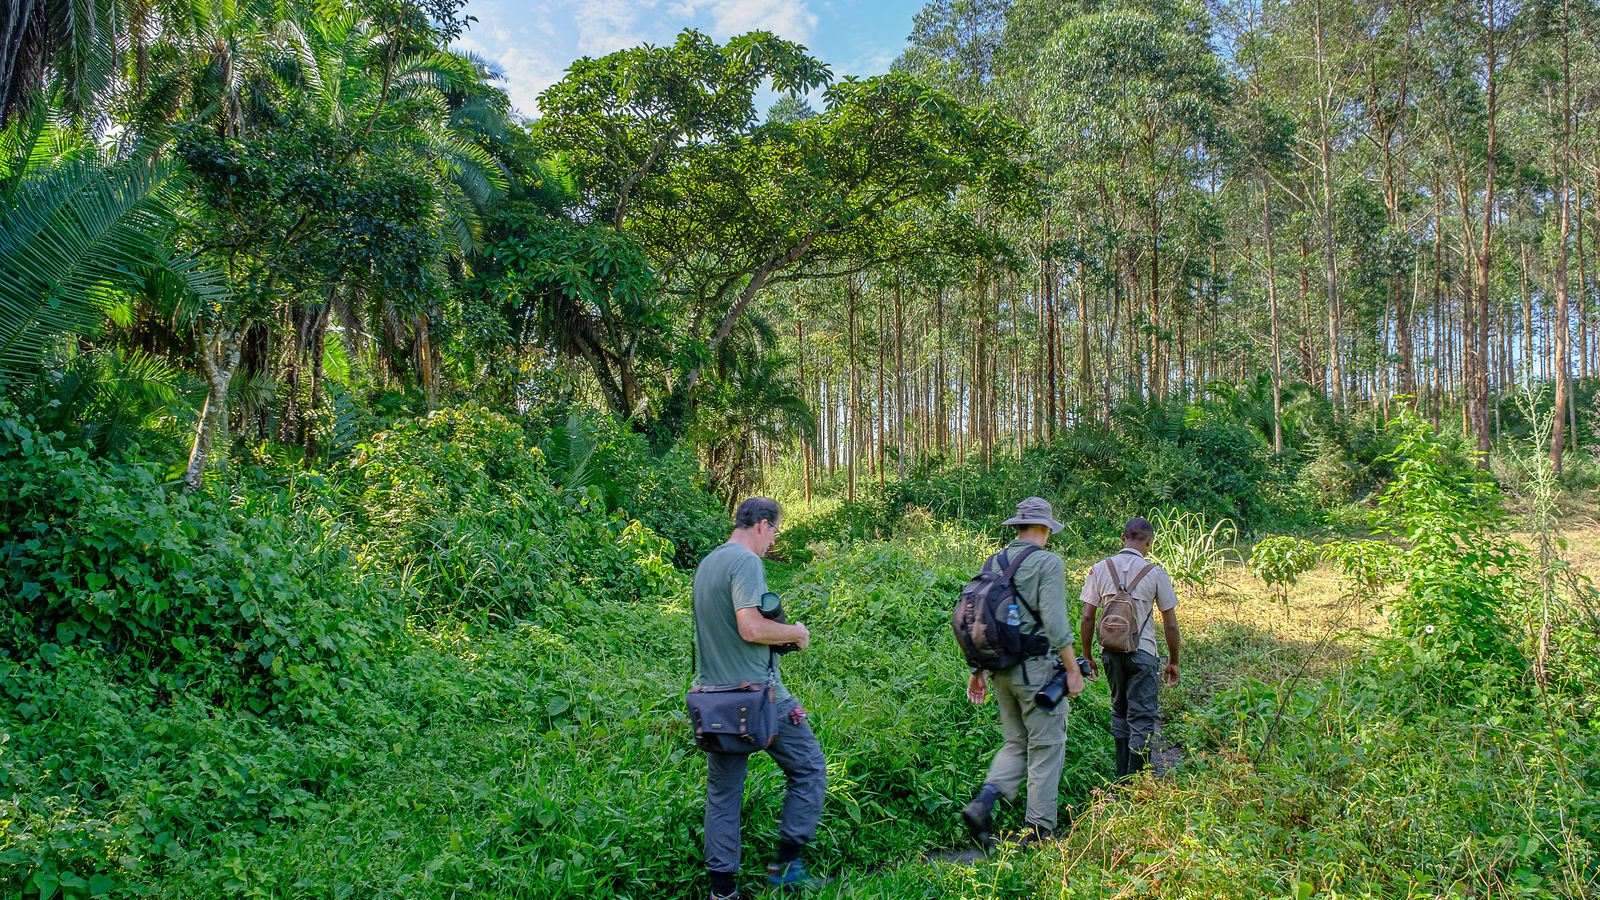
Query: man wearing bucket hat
x=1035, y=737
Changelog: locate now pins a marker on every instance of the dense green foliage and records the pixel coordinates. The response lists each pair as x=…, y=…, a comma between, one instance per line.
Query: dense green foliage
x=1095, y=478
x=357, y=438
x=276, y=722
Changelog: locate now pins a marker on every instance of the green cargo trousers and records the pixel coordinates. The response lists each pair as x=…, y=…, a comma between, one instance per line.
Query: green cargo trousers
x=1035, y=740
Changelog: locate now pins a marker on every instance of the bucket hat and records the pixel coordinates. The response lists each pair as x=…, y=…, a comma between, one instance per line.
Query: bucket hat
x=1035, y=511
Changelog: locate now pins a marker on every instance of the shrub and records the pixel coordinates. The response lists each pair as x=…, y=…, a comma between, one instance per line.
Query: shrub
x=462, y=504
x=1280, y=561
x=1095, y=478
x=1460, y=571
x=200, y=590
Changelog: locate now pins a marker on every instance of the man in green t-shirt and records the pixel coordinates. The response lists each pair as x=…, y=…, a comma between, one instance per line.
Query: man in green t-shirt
x=734, y=643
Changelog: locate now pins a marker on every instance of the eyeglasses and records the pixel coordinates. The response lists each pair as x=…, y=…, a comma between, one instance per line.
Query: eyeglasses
x=775, y=529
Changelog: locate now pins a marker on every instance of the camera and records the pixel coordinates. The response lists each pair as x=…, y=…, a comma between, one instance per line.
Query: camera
x=1054, y=690
x=772, y=608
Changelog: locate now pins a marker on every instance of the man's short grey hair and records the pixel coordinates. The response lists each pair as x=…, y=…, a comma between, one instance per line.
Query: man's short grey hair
x=1139, y=529
x=752, y=511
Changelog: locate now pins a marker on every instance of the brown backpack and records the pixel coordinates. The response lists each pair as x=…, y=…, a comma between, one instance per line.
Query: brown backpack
x=1118, y=627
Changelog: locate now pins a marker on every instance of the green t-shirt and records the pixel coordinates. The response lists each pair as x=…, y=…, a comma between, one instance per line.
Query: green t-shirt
x=729, y=579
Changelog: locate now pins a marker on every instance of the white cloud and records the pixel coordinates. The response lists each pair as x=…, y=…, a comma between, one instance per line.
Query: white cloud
x=605, y=26
x=528, y=72
x=790, y=19
x=871, y=61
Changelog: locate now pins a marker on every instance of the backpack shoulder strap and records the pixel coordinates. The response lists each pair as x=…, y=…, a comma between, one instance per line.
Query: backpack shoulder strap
x=1111, y=570
x=1011, y=570
x=1140, y=577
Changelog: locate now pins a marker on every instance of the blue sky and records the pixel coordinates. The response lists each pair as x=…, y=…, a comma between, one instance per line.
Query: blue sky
x=535, y=40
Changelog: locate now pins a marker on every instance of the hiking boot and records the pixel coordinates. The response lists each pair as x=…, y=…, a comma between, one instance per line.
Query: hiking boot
x=1034, y=836
x=733, y=896
x=1122, y=756
x=792, y=876
x=979, y=817
x=1137, y=762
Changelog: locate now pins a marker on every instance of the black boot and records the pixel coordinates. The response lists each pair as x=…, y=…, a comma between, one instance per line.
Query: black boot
x=978, y=815
x=1136, y=761
x=1122, y=757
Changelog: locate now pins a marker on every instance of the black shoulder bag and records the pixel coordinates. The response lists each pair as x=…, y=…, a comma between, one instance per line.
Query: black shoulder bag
x=734, y=719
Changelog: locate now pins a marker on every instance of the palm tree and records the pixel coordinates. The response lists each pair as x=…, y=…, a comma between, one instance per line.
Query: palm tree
x=754, y=399
x=79, y=230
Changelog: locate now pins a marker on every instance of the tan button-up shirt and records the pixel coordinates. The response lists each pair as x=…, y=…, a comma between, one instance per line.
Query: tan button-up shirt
x=1154, y=592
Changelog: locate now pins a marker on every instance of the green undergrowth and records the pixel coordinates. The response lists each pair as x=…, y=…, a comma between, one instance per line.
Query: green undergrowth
x=497, y=711
x=1094, y=476
x=454, y=670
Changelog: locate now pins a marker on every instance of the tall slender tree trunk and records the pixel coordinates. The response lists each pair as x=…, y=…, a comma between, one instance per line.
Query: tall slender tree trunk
x=880, y=450
x=1329, y=261
x=1086, y=389
x=1272, y=313
x=805, y=443
x=853, y=403
x=318, y=349
x=1560, y=324
x=941, y=378
x=1479, y=387
x=899, y=379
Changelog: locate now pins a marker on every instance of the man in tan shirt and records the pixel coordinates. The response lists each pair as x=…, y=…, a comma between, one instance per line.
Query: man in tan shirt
x=1134, y=678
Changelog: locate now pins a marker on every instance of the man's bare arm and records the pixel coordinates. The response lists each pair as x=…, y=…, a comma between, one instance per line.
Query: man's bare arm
x=758, y=629
x=1169, y=626
x=1086, y=632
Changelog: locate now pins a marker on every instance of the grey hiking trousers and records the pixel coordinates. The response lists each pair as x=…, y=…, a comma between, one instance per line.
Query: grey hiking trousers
x=798, y=754
x=1036, y=740
x=1135, y=682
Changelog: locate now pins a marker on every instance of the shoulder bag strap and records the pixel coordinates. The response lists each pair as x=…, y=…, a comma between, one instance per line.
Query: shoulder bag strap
x=694, y=643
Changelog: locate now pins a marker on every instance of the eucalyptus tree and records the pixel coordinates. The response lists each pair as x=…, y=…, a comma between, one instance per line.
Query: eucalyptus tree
x=1129, y=123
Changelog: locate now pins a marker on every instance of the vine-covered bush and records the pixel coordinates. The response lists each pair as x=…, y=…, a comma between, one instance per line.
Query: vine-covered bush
x=199, y=590
x=1461, y=571
x=462, y=503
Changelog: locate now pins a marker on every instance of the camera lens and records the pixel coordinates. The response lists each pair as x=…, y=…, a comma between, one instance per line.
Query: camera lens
x=1050, y=695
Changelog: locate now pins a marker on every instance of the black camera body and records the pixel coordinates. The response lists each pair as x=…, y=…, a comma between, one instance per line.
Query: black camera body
x=772, y=608
x=1055, y=690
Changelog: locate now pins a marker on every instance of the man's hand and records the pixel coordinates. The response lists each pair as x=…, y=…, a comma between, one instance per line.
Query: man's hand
x=803, y=639
x=1170, y=674
x=977, y=687
x=1094, y=672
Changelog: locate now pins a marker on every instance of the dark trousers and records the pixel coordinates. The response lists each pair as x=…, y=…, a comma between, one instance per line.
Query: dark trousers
x=798, y=754
x=1135, y=682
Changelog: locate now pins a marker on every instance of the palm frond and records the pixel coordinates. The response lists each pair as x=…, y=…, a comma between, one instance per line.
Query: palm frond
x=68, y=237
